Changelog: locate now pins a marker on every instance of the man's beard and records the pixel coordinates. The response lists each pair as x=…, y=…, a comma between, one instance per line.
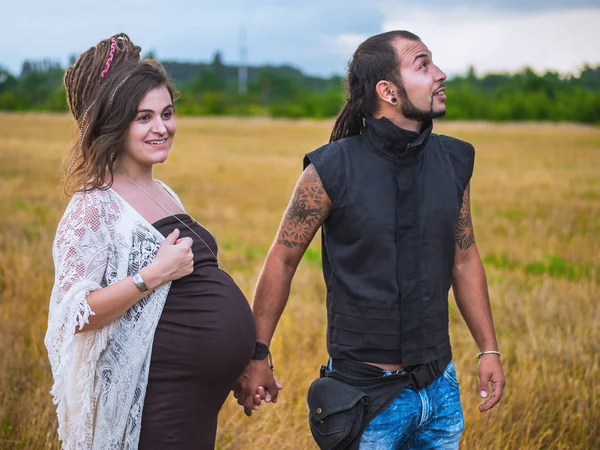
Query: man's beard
x=410, y=111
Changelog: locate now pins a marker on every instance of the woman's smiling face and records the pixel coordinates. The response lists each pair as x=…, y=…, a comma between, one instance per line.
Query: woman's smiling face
x=150, y=134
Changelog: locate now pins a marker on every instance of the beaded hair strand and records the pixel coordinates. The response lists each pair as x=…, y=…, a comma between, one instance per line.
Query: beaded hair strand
x=84, y=82
x=83, y=131
x=113, y=45
x=83, y=78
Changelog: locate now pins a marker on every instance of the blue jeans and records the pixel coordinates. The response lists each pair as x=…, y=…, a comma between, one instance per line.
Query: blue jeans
x=431, y=418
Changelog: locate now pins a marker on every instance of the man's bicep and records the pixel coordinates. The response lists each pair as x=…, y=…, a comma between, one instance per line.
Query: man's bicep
x=464, y=234
x=306, y=212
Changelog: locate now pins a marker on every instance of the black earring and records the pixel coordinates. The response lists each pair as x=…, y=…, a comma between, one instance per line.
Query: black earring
x=394, y=100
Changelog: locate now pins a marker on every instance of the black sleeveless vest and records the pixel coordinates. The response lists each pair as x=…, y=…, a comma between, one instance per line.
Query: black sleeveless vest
x=388, y=243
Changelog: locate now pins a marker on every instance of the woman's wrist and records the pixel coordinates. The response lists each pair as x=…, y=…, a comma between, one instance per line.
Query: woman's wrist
x=152, y=276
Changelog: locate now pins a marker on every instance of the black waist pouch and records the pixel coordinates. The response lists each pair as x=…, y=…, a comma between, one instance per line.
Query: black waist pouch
x=337, y=412
x=343, y=401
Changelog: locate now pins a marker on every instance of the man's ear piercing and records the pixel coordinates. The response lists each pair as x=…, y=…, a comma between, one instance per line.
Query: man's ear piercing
x=394, y=100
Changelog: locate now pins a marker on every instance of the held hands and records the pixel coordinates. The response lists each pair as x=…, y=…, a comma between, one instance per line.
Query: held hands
x=174, y=259
x=490, y=374
x=256, y=384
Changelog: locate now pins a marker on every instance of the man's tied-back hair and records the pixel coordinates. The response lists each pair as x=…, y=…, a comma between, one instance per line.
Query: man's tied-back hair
x=83, y=79
x=374, y=60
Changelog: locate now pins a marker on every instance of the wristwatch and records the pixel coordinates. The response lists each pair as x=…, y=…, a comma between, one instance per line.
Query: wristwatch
x=139, y=282
x=261, y=351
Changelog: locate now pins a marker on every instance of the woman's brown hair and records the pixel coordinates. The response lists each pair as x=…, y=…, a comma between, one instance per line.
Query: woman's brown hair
x=104, y=110
x=83, y=78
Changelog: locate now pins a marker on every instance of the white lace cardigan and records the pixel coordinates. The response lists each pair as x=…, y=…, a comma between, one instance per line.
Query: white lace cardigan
x=100, y=376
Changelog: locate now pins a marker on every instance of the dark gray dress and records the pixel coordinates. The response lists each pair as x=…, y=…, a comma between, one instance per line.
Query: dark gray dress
x=203, y=342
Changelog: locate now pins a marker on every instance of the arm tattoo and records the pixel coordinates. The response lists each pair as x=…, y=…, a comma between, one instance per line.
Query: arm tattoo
x=306, y=212
x=464, y=235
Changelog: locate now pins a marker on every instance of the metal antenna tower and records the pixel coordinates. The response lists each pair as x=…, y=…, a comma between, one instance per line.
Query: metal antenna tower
x=243, y=67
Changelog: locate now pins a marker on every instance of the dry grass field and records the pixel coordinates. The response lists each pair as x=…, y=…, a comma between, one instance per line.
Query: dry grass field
x=536, y=207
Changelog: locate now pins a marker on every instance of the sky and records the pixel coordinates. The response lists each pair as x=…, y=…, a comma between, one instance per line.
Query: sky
x=316, y=36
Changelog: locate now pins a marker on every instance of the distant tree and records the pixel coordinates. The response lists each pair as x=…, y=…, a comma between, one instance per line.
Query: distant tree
x=9, y=102
x=471, y=75
x=285, y=91
x=589, y=77
x=217, y=64
x=275, y=87
x=7, y=81
x=26, y=68
x=207, y=81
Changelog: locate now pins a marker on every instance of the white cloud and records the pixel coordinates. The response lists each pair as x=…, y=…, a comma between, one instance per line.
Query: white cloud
x=559, y=40
x=347, y=42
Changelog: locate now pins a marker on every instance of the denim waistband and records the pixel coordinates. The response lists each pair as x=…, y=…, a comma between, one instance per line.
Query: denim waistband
x=420, y=375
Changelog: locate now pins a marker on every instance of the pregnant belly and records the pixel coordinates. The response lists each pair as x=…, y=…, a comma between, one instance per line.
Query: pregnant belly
x=206, y=329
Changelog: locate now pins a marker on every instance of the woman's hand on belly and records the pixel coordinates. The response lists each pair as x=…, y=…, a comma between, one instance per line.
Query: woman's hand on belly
x=174, y=259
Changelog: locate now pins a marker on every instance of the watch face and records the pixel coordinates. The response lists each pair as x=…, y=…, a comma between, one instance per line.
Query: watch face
x=261, y=351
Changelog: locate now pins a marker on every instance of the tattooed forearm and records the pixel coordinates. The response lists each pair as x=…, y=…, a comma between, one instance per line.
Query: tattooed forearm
x=464, y=234
x=306, y=212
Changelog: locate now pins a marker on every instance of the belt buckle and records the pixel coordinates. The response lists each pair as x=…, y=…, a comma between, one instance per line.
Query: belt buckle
x=322, y=371
x=416, y=377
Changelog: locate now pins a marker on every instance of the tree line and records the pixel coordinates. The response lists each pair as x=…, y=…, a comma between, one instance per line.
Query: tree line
x=283, y=91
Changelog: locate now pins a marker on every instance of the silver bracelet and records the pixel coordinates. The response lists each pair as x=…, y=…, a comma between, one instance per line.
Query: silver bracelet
x=139, y=282
x=489, y=352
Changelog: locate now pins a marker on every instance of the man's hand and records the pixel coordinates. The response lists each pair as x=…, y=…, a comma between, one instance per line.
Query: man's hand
x=490, y=373
x=256, y=384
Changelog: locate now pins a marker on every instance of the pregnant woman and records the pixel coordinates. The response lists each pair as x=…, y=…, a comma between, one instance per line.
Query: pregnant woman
x=146, y=333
